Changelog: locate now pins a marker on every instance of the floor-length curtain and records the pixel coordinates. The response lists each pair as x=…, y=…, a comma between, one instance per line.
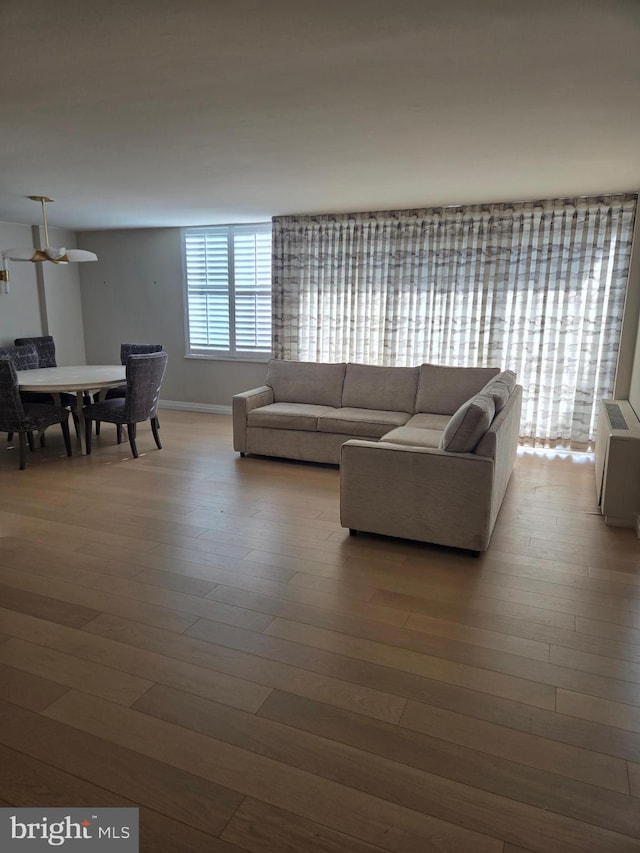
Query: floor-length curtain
x=537, y=287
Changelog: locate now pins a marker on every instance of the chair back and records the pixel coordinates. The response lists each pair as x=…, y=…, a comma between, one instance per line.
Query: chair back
x=137, y=349
x=144, y=379
x=24, y=357
x=11, y=408
x=45, y=347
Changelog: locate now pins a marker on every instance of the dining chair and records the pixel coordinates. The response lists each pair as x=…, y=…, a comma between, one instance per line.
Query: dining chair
x=45, y=350
x=23, y=356
x=120, y=390
x=44, y=346
x=25, y=418
x=144, y=378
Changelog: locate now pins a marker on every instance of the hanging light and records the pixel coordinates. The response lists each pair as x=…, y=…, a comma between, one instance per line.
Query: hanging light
x=49, y=253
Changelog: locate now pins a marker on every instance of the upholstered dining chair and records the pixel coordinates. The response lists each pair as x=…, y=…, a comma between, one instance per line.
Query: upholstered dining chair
x=45, y=350
x=120, y=390
x=24, y=357
x=25, y=418
x=140, y=403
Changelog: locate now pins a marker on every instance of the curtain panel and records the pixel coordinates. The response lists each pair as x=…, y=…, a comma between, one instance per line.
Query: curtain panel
x=537, y=287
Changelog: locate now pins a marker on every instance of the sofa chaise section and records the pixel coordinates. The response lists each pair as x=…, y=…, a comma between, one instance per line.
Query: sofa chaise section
x=423, y=492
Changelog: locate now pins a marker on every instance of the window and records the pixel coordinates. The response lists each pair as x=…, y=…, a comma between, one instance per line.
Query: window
x=228, y=280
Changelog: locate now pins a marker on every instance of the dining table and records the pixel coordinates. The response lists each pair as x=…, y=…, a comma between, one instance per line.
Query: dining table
x=73, y=379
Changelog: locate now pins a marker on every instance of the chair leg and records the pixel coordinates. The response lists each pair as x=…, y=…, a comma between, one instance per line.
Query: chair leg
x=131, y=430
x=30, y=440
x=154, y=429
x=66, y=435
x=76, y=424
x=87, y=436
x=119, y=433
x=23, y=450
x=42, y=439
x=97, y=427
x=9, y=436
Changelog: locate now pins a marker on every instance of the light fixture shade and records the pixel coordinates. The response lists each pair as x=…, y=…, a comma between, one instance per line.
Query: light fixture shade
x=25, y=254
x=49, y=253
x=76, y=256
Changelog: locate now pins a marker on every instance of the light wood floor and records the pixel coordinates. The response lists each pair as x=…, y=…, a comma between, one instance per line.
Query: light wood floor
x=195, y=634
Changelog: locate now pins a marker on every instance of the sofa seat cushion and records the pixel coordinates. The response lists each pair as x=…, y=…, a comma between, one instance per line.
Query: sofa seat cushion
x=302, y=416
x=469, y=424
x=369, y=423
x=427, y=421
x=368, y=386
x=414, y=436
x=442, y=389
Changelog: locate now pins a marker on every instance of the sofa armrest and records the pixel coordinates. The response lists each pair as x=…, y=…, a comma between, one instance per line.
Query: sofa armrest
x=242, y=404
x=421, y=493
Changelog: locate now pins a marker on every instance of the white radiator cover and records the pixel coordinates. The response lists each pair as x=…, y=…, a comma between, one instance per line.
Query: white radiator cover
x=618, y=466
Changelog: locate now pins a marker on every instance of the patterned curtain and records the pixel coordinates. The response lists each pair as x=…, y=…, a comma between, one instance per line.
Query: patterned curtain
x=537, y=287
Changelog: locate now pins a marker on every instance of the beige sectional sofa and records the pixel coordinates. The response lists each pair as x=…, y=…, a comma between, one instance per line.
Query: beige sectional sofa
x=425, y=452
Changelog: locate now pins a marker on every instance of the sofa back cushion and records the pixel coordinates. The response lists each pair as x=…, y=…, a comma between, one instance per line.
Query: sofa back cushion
x=500, y=388
x=442, y=390
x=468, y=424
x=389, y=389
x=306, y=382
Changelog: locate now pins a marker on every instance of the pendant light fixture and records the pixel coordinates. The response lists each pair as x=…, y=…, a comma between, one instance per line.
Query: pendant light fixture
x=49, y=253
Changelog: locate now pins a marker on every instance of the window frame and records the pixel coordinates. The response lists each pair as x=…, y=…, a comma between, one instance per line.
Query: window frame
x=233, y=353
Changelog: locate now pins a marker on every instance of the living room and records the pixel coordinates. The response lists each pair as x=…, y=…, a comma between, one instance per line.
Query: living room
x=194, y=634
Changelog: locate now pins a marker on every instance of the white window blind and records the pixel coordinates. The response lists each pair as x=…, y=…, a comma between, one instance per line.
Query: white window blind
x=228, y=280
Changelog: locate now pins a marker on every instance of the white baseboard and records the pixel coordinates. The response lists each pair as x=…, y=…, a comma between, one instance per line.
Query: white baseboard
x=208, y=408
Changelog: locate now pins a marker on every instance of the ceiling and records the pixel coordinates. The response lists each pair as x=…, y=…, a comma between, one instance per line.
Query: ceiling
x=141, y=113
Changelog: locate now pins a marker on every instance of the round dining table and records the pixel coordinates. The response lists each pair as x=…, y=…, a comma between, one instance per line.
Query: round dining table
x=73, y=379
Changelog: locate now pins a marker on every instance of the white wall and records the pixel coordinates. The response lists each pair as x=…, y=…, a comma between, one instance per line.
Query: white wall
x=44, y=299
x=134, y=293
x=20, y=314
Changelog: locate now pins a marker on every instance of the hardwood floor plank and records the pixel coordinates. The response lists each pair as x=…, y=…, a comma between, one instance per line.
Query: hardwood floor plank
x=62, y=612
x=344, y=809
x=512, y=629
x=634, y=778
x=599, y=710
x=153, y=561
x=598, y=664
x=177, y=582
x=261, y=828
x=176, y=601
x=462, y=764
x=71, y=671
x=531, y=750
x=98, y=600
x=335, y=601
x=22, y=555
x=277, y=596
x=29, y=691
x=598, y=628
x=370, y=701
x=32, y=783
x=488, y=665
x=400, y=680
x=148, y=665
x=175, y=793
x=390, y=598
x=362, y=627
